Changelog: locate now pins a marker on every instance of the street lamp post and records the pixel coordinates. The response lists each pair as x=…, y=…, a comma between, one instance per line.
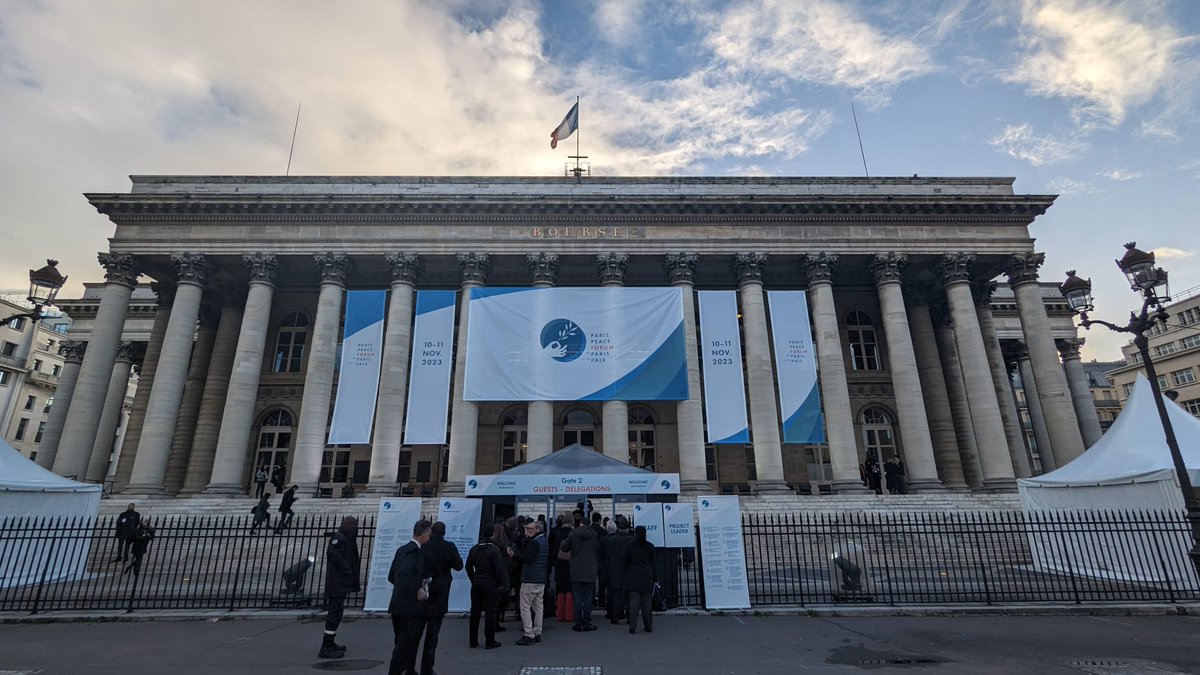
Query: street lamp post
x=44, y=285
x=1151, y=282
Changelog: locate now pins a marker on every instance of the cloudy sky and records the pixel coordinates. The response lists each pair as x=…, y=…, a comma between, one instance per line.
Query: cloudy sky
x=1093, y=100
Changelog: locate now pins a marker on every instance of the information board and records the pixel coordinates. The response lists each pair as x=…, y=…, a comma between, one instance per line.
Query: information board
x=461, y=517
x=650, y=516
x=679, y=525
x=393, y=529
x=724, y=553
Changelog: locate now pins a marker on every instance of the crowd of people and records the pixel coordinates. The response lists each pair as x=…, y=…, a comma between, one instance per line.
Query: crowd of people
x=890, y=475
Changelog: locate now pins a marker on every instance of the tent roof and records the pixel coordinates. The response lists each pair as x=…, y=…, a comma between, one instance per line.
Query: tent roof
x=20, y=474
x=1134, y=449
x=573, y=459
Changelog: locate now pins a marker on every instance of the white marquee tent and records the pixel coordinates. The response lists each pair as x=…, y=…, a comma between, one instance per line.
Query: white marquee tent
x=1128, y=469
x=30, y=497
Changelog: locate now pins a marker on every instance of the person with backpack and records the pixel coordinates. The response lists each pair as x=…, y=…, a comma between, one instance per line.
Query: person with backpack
x=262, y=512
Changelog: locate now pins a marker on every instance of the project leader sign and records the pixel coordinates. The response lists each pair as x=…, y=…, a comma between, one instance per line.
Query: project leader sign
x=578, y=484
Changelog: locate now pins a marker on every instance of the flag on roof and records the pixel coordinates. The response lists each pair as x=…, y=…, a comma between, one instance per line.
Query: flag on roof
x=568, y=126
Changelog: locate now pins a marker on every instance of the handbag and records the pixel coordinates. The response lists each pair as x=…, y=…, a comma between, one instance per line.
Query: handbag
x=657, y=602
x=564, y=555
x=423, y=591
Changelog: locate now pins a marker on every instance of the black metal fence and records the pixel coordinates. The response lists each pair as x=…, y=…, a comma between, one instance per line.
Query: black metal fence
x=215, y=562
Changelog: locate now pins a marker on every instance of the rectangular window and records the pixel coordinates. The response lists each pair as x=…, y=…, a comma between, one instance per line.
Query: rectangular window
x=1128, y=389
x=22, y=425
x=1190, y=342
x=49, y=402
x=710, y=462
x=17, y=324
x=1162, y=382
x=1164, y=349
x=1192, y=406
x=30, y=401
x=56, y=370
x=8, y=348
x=37, y=365
x=41, y=430
x=335, y=466
x=751, y=466
x=1182, y=377
x=405, y=469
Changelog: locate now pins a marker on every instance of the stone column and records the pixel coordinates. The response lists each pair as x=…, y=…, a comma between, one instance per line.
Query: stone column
x=689, y=414
x=1061, y=423
x=764, y=408
x=921, y=468
x=141, y=398
x=1081, y=393
x=72, y=353
x=216, y=388
x=614, y=415
x=162, y=413
x=1033, y=403
x=994, y=459
x=106, y=431
x=933, y=386
x=464, y=422
x=312, y=429
x=189, y=405
x=956, y=390
x=397, y=342
x=1000, y=380
x=91, y=387
x=835, y=393
x=229, y=463
x=543, y=269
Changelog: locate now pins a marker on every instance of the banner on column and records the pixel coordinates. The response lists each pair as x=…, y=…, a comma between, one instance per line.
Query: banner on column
x=680, y=525
x=796, y=368
x=650, y=516
x=429, y=374
x=721, y=361
x=358, y=377
x=576, y=344
x=724, y=553
x=393, y=529
x=461, y=517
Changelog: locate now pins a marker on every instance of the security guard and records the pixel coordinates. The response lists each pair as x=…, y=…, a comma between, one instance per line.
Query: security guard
x=341, y=579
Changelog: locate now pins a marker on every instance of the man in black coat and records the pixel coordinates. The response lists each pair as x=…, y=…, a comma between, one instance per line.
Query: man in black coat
x=440, y=558
x=341, y=579
x=127, y=525
x=614, y=549
x=408, y=620
x=285, y=510
x=489, y=580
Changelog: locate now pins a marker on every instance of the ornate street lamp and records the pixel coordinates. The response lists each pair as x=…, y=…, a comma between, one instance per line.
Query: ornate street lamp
x=1151, y=282
x=44, y=285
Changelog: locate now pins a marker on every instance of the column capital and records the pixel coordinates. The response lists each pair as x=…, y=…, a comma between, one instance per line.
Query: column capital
x=1023, y=267
x=818, y=267
x=681, y=267
x=137, y=353
x=119, y=268
x=192, y=268
x=750, y=267
x=887, y=267
x=1016, y=351
x=982, y=292
x=475, y=267
x=955, y=268
x=165, y=293
x=405, y=267
x=612, y=267
x=543, y=267
x=1069, y=349
x=125, y=351
x=72, y=351
x=334, y=268
x=263, y=267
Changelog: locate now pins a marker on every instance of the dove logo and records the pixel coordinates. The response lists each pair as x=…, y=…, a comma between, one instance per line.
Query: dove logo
x=666, y=484
x=387, y=506
x=563, y=340
x=704, y=503
x=472, y=483
x=637, y=508
x=446, y=505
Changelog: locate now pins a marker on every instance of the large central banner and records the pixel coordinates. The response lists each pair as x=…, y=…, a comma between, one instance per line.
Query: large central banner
x=576, y=344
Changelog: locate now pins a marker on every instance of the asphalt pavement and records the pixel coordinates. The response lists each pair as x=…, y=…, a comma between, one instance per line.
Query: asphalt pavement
x=701, y=645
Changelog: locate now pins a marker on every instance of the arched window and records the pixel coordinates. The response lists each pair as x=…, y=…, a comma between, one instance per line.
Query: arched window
x=514, y=437
x=642, y=446
x=289, y=345
x=274, y=439
x=879, y=437
x=864, y=349
x=579, y=426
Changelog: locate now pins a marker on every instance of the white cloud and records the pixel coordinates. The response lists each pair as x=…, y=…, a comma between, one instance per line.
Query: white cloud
x=620, y=22
x=1121, y=175
x=1171, y=253
x=1062, y=185
x=1020, y=141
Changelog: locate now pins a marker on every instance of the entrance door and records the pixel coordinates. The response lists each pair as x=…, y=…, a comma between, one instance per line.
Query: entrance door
x=641, y=448
x=274, y=440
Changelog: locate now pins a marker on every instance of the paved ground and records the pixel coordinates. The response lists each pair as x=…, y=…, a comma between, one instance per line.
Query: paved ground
x=702, y=645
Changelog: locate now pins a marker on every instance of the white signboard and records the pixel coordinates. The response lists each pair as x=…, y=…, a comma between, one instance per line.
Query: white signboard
x=461, y=517
x=429, y=376
x=393, y=529
x=796, y=368
x=650, y=516
x=576, y=344
x=724, y=553
x=680, y=525
x=721, y=361
x=358, y=376
x=574, y=484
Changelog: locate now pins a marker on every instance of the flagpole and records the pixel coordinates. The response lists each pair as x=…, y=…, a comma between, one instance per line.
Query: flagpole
x=578, y=133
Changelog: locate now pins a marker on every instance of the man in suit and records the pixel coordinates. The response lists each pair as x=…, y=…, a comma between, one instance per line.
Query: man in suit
x=406, y=575
x=440, y=558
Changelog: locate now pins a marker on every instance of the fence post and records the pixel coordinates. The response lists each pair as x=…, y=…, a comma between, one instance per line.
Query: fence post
x=983, y=570
x=1067, y=554
x=37, y=599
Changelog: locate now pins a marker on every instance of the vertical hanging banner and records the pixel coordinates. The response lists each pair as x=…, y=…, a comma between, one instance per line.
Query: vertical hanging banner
x=358, y=378
x=721, y=361
x=429, y=374
x=461, y=517
x=393, y=528
x=724, y=553
x=650, y=516
x=796, y=368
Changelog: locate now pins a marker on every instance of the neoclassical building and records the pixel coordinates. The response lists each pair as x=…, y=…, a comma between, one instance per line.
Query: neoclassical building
x=924, y=298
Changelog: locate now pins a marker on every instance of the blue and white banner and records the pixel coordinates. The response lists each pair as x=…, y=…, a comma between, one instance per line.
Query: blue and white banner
x=429, y=374
x=724, y=553
x=721, y=362
x=393, y=528
x=680, y=523
x=358, y=378
x=599, y=484
x=796, y=368
x=461, y=517
x=650, y=516
x=576, y=344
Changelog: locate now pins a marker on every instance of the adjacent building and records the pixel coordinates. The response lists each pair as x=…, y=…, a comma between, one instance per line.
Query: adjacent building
x=1175, y=349
x=30, y=366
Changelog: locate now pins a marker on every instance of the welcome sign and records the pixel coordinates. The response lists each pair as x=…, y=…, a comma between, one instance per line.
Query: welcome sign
x=576, y=344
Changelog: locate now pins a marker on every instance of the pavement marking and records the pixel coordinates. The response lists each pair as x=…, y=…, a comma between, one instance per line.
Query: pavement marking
x=561, y=670
x=1107, y=620
x=1122, y=667
x=735, y=618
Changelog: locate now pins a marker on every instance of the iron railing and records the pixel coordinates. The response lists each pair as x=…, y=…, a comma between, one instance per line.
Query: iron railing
x=214, y=562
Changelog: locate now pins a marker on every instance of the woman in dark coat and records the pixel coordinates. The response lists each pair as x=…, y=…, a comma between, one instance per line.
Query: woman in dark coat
x=564, y=602
x=638, y=577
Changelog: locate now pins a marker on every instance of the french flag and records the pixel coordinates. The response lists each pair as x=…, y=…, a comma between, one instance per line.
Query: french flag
x=568, y=126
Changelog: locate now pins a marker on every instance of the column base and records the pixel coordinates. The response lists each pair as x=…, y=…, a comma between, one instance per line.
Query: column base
x=695, y=488
x=147, y=491
x=957, y=487
x=381, y=489
x=772, y=487
x=930, y=485
x=850, y=487
x=999, y=485
x=224, y=490
x=453, y=489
